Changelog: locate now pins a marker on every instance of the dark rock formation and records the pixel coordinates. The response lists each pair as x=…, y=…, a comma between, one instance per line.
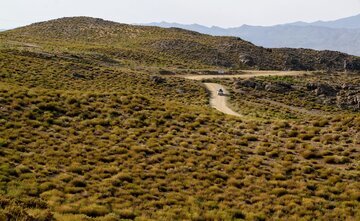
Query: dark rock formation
x=247, y=60
x=348, y=99
x=278, y=87
x=249, y=83
x=157, y=79
x=166, y=72
x=322, y=89
x=78, y=76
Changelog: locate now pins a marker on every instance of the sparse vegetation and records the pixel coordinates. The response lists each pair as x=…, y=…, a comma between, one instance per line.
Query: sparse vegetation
x=88, y=137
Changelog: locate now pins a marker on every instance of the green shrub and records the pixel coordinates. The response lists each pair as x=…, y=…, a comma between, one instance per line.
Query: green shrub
x=120, y=178
x=279, y=192
x=94, y=210
x=336, y=160
x=306, y=136
x=46, y=186
x=321, y=123
x=78, y=183
x=126, y=214
x=3, y=142
x=311, y=154
x=238, y=214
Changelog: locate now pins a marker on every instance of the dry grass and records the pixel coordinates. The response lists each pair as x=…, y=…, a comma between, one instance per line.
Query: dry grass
x=83, y=139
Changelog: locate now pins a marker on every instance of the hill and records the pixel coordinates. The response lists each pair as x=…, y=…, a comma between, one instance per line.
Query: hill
x=98, y=123
x=174, y=47
x=340, y=35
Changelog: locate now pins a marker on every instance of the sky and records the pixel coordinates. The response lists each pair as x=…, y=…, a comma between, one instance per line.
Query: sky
x=223, y=13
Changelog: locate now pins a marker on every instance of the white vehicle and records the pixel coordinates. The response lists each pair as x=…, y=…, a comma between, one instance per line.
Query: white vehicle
x=220, y=92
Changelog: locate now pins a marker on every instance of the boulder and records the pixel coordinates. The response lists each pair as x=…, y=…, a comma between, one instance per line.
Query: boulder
x=348, y=100
x=311, y=86
x=157, y=79
x=249, y=84
x=278, y=87
x=322, y=89
x=247, y=60
x=326, y=90
x=348, y=86
x=78, y=76
x=166, y=72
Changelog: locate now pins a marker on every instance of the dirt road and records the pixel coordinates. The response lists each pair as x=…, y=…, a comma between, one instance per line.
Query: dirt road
x=247, y=74
x=220, y=102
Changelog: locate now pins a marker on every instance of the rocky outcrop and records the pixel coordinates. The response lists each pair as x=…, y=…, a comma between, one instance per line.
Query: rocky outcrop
x=157, y=79
x=245, y=83
x=166, y=72
x=322, y=89
x=78, y=76
x=249, y=83
x=348, y=99
x=275, y=87
x=247, y=60
x=278, y=87
x=330, y=93
x=346, y=96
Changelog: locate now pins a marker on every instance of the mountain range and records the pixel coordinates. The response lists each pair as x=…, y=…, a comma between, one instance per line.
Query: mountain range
x=352, y=22
x=340, y=35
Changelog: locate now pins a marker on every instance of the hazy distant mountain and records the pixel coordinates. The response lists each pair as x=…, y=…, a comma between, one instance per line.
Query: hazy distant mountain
x=214, y=30
x=348, y=23
x=319, y=38
x=2, y=29
x=340, y=35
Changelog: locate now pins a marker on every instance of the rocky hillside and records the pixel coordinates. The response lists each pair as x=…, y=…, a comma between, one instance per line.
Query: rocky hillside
x=323, y=91
x=170, y=47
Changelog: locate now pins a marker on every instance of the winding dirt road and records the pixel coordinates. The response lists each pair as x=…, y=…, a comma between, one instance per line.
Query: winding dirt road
x=220, y=102
x=247, y=74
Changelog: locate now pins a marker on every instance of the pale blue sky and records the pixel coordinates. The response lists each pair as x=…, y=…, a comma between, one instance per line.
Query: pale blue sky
x=225, y=13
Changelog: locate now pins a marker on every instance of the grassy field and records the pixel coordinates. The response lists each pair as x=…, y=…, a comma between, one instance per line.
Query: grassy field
x=86, y=135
